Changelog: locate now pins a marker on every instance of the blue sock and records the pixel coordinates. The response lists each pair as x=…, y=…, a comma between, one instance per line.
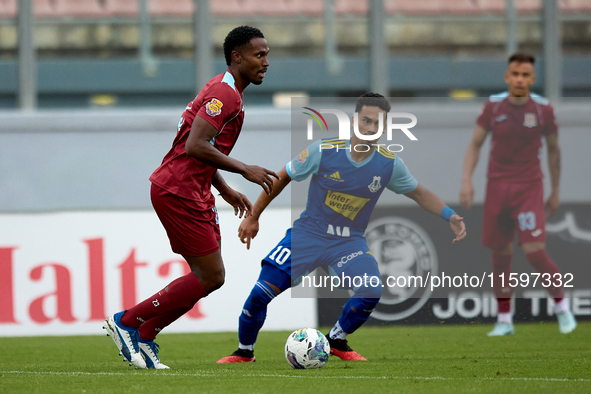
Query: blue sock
x=356, y=312
x=254, y=310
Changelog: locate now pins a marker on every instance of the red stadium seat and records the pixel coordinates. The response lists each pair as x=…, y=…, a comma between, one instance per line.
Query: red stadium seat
x=413, y=7
x=7, y=9
x=355, y=7
x=231, y=7
x=528, y=6
x=575, y=6
x=127, y=8
x=273, y=8
x=310, y=7
x=79, y=8
x=171, y=7
x=44, y=8
x=459, y=7
x=523, y=7
x=492, y=6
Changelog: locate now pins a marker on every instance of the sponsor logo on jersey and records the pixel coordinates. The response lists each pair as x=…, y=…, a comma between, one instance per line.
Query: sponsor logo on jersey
x=345, y=204
x=537, y=232
x=214, y=107
x=302, y=156
x=500, y=118
x=335, y=177
x=346, y=259
x=530, y=120
x=374, y=186
x=402, y=248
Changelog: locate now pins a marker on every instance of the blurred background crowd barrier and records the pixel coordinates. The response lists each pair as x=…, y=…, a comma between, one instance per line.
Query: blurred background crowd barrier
x=64, y=53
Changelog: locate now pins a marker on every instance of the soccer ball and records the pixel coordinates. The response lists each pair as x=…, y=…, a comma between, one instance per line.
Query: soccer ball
x=307, y=348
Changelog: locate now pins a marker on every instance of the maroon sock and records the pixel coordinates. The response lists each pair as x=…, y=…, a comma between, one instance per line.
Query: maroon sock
x=152, y=327
x=181, y=292
x=545, y=265
x=502, y=265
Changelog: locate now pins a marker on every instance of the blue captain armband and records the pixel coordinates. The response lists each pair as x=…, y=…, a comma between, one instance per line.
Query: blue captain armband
x=446, y=213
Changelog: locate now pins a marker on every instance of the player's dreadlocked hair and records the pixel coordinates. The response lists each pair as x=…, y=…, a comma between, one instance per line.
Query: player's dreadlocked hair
x=522, y=58
x=238, y=38
x=372, y=100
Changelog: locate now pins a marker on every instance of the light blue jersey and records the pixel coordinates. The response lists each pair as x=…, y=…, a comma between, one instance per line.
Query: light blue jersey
x=343, y=193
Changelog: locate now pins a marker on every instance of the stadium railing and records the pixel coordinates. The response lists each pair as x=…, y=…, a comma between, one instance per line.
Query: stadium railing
x=101, y=9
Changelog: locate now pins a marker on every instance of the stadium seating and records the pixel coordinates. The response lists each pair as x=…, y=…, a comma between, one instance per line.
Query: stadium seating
x=182, y=8
x=281, y=8
x=355, y=7
x=128, y=8
x=571, y=6
x=44, y=8
x=309, y=7
x=430, y=7
x=523, y=7
x=79, y=8
x=7, y=9
x=230, y=7
x=492, y=6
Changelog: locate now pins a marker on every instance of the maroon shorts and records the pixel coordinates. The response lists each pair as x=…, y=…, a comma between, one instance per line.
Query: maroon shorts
x=511, y=206
x=191, y=231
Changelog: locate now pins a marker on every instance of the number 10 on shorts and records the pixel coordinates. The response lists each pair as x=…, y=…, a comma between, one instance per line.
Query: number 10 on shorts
x=280, y=255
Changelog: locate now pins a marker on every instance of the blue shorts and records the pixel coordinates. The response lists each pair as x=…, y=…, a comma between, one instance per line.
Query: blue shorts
x=299, y=253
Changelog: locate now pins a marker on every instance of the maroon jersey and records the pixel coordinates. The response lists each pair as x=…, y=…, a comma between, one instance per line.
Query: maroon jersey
x=517, y=132
x=220, y=103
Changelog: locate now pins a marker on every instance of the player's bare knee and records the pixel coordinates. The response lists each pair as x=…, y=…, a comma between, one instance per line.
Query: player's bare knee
x=213, y=281
x=506, y=250
x=532, y=247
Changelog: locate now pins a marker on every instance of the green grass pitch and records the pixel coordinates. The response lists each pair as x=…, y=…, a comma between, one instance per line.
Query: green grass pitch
x=427, y=359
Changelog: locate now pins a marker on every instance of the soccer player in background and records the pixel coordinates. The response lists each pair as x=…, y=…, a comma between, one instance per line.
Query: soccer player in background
x=517, y=120
x=182, y=198
x=325, y=232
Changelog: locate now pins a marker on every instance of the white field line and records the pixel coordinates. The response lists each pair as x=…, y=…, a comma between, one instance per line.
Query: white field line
x=215, y=375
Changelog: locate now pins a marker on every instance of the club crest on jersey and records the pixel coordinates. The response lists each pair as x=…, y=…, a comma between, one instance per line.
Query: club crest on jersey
x=375, y=185
x=530, y=120
x=214, y=107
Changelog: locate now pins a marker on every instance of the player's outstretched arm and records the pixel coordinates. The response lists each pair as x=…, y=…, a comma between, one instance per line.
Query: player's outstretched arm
x=553, y=201
x=430, y=202
x=237, y=200
x=470, y=161
x=249, y=227
x=199, y=147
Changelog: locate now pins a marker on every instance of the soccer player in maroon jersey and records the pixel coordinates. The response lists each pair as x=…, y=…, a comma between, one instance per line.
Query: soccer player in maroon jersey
x=517, y=120
x=182, y=198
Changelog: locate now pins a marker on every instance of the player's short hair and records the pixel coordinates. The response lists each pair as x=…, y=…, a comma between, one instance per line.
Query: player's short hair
x=522, y=58
x=238, y=38
x=372, y=100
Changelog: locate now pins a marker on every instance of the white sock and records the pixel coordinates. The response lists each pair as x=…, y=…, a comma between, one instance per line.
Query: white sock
x=337, y=332
x=505, y=318
x=562, y=306
x=246, y=347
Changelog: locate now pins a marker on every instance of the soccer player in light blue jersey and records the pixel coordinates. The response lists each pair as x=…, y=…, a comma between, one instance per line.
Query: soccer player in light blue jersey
x=345, y=186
